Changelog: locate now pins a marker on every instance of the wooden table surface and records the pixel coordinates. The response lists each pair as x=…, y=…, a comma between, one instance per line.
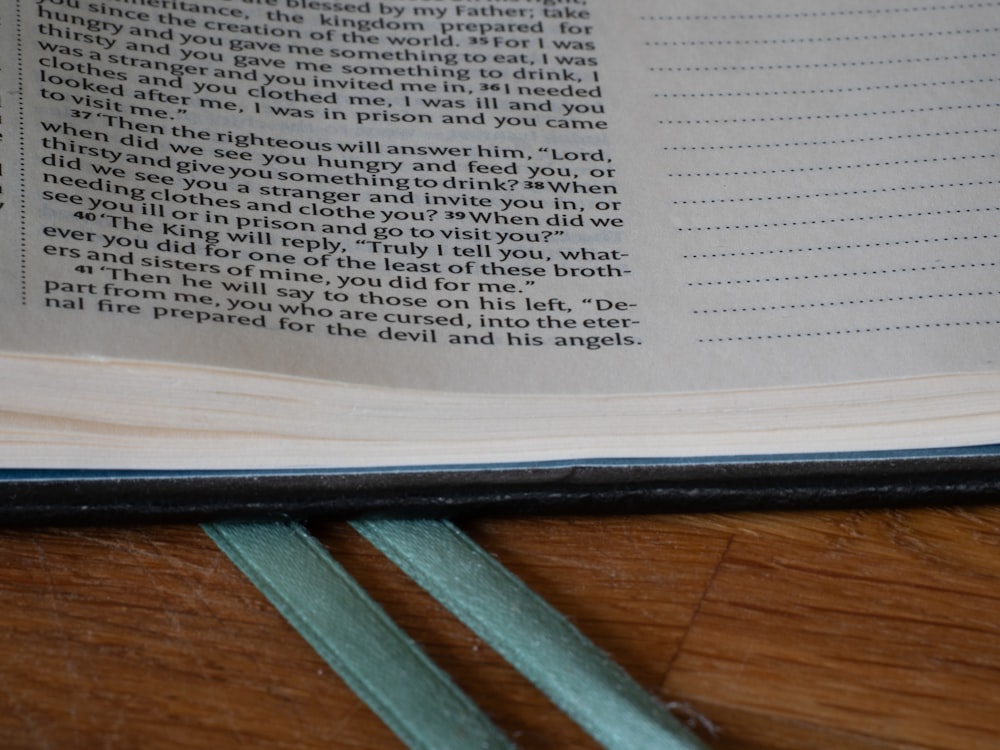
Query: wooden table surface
x=857, y=629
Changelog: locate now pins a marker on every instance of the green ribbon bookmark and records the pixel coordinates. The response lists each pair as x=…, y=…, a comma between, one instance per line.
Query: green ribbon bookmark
x=536, y=639
x=395, y=678
x=379, y=662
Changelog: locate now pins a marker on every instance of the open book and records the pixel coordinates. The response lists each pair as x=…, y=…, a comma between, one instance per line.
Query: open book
x=353, y=237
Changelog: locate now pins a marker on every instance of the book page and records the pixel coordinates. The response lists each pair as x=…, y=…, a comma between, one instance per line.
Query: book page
x=504, y=196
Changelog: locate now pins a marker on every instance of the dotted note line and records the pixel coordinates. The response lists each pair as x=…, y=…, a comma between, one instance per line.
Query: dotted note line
x=835, y=193
x=815, y=66
x=832, y=167
x=836, y=90
x=833, y=116
x=844, y=303
x=846, y=274
x=827, y=248
x=849, y=331
x=822, y=13
x=833, y=142
x=839, y=220
x=820, y=39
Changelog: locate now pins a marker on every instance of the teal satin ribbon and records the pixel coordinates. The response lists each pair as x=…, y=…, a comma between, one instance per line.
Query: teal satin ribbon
x=390, y=673
x=355, y=636
x=542, y=644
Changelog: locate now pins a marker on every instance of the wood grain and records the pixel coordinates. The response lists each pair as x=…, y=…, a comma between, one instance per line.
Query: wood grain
x=866, y=629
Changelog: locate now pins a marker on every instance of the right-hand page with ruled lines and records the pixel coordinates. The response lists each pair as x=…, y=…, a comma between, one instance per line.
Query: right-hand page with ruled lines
x=813, y=185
